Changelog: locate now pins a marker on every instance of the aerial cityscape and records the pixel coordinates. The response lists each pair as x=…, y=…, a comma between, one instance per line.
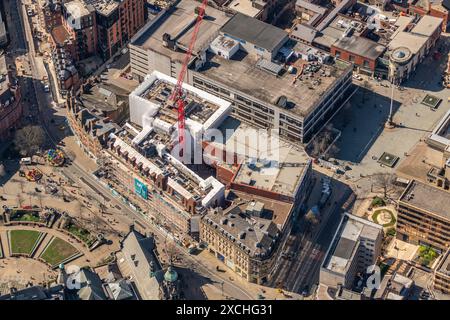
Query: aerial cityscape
x=225, y=150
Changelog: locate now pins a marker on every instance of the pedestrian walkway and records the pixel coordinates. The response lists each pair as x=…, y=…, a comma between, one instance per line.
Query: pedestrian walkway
x=50, y=234
x=4, y=243
x=42, y=245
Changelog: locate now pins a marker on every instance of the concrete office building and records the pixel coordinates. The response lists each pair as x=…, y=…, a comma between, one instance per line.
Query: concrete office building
x=442, y=274
x=242, y=60
x=355, y=246
x=423, y=216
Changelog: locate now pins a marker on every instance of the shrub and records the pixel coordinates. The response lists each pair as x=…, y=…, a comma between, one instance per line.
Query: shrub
x=427, y=255
x=391, y=232
x=378, y=202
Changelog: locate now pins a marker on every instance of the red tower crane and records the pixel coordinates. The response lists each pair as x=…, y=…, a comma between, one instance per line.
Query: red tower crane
x=177, y=94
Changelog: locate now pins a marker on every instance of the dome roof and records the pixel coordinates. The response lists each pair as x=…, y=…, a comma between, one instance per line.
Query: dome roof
x=399, y=54
x=170, y=275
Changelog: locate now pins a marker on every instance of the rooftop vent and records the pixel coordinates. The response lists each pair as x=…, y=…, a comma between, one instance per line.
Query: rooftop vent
x=282, y=102
x=242, y=235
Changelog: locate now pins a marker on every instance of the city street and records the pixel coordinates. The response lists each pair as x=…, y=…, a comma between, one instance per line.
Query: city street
x=301, y=272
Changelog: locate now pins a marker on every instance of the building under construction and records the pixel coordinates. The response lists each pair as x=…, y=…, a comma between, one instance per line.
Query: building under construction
x=271, y=81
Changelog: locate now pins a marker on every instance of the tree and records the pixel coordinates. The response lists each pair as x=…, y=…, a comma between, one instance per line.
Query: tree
x=2, y=170
x=311, y=219
x=321, y=144
x=367, y=88
x=385, y=181
x=29, y=140
x=171, y=252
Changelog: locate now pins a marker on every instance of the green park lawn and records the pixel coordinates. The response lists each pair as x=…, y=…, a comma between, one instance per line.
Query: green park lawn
x=380, y=211
x=58, y=251
x=23, y=241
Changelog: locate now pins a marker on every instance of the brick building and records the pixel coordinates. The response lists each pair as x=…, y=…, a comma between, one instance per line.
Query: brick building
x=52, y=14
x=80, y=23
x=360, y=51
x=91, y=128
x=438, y=9
x=117, y=22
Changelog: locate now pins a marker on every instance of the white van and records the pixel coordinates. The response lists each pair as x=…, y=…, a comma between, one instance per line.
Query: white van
x=26, y=161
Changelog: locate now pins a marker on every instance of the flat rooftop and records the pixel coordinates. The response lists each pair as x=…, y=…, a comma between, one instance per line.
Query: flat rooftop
x=105, y=7
x=245, y=7
x=178, y=21
x=269, y=164
x=242, y=74
x=360, y=46
x=252, y=30
x=427, y=25
x=346, y=241
x=60, y=35
x=412, y=41
x=77, y=8
x=152, y=109
x=336, y=28
x=428, y=198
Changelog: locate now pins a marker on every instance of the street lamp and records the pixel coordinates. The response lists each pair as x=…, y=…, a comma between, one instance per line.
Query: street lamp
x=389, y=122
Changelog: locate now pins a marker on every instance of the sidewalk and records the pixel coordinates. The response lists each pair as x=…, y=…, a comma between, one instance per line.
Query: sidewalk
x=211, y=262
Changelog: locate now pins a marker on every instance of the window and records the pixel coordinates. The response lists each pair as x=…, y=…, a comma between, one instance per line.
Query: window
x=366, y=64
x=351, y=58
x=337, y=54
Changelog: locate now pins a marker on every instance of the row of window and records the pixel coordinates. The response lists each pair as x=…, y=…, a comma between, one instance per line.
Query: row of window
x=352, y=58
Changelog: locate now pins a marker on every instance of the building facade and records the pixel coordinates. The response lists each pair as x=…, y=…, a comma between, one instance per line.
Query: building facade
x=442, y=275
x=11, y=108
x=91, y=129
x=423, y=216
x=355, y=246
x=361, y=52
x=117, y=22
x=79, y=19
x=408, y=49
x=52, y=11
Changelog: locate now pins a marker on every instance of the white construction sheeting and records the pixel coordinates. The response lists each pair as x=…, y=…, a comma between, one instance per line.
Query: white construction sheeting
x=132, y=153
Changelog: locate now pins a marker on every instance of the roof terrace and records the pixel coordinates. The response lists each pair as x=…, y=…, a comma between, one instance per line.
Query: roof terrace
x=242, y=73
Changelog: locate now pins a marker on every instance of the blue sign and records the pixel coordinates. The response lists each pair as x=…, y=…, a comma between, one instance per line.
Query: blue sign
x=141, y=189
